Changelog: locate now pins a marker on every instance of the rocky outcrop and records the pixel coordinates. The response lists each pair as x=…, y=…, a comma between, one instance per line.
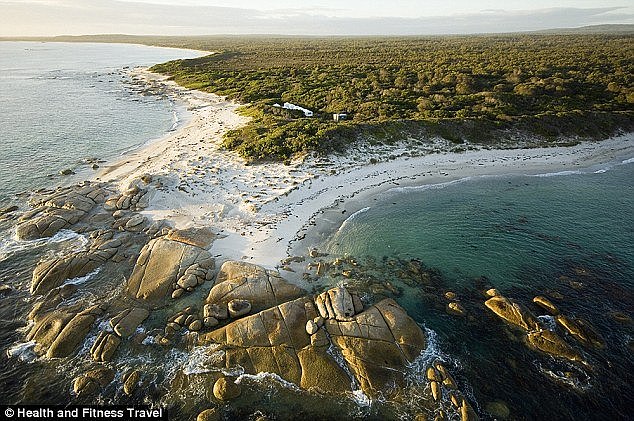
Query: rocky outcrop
x=199, y=237
x=536, y=337
x=92, y=381
x=551, y=343
x=514, y=313
x=377, y=344
x=59, y=333
x=374, y=345
x=52, y=273
x=581, y=330
x=260, y=287
x=338, y=303
x=546, y=304
x=184, y=319
x=126, y=322
x=134, y=198
x=105, y=346
x=131, y=381
x=59, y=210
x=166, y=266
x=226, y=389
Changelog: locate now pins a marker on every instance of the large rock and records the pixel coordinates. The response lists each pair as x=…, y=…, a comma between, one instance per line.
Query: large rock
x=199, y=237
x=375, y=345
x=550, y=343
x=514, y=313
x=546, y=304
x=136, y=197
x=131, y=381
x=125, y=323
x=262, y=288
x=337, y=303
x=59, y=210
x=161, y=265
x=581, y=330
x=52, y=273
x=93, y=381
x=58, y=333
x=226, y=389
x=105, y=346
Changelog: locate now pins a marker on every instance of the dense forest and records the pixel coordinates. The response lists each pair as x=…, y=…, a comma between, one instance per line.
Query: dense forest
x=463, y=88
x=482, y=89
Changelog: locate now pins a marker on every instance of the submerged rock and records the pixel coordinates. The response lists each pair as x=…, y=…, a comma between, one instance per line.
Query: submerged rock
x=456, y=309
x=537, y=338
x=498, y=409
x=581, y=330
x=5, y=290
x=210, y=414
x=53, y=273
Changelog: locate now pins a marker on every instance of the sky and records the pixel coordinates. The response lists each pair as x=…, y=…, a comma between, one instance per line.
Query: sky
x=302, y=17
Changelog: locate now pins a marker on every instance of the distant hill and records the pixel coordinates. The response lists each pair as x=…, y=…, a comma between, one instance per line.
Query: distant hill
x=177, y=41
x=592, y=29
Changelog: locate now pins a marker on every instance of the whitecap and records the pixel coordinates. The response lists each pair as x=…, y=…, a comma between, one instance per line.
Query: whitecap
x=361, y=399
x=12, y=245
x=415, y=371
x=201, y=359
x=83, y=279
x=175, y=121
x=557, y=174
x=353, y=216
x=628, y=161
x=23, y=351
x=548, y=321
x=265, y=377
x=435, y=186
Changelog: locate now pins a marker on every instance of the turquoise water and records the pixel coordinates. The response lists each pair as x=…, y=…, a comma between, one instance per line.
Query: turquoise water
x=499, y=227
x=568, y=236
x=64, y=103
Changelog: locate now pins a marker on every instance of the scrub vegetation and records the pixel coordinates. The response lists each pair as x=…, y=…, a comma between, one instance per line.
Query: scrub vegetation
x=481, y=89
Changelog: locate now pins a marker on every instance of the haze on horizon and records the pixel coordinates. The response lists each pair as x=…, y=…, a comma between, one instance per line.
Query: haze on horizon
x=301, y=17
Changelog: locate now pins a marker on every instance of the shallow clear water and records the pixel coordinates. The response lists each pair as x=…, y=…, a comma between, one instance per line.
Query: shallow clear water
x=499, y=227
x=65, y=102
x=568, y=236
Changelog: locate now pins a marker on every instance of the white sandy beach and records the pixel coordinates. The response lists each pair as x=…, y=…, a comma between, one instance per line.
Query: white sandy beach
x=261, y=209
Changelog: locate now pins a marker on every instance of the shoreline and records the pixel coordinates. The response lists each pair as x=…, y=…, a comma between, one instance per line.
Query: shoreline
x=263, y=213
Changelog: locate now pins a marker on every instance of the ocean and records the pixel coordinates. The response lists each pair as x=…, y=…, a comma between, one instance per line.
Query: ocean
x=67, y=105
x=568, y=236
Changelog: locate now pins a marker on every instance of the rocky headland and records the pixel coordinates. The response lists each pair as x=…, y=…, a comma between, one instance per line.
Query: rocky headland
x=171, y=294
x=188, y=283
